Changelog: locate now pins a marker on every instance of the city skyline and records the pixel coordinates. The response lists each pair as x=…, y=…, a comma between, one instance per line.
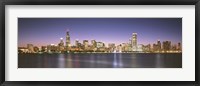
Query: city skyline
x=119, y=32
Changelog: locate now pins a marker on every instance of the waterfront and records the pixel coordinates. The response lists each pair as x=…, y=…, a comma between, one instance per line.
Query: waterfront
x=100, y=60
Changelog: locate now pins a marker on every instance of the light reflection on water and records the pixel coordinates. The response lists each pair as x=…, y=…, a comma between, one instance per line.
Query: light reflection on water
x=61, y=60
x=103, y=60
x=159, y=62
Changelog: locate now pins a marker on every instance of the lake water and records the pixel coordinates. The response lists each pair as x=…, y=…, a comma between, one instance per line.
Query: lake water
x=101, y=60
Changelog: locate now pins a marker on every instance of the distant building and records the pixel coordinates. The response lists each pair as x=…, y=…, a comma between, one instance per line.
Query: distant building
x=140, y=48
x=134, y=41
x=119, y=48
x=100, y=44
x=23, y=50
x=111, y=47
x=44, y=49
x=130, y=45
x=147, y=48
x=30, y=48
x=94, y=44
x=166, y=45
x=158, y=45
x=86, y=44
x=61, y=45
x=36, y=49
x=179, y=48
x=155, y=47
x=52, y=48
x=68, y=44
x=174, y=48
x=77, y=43
x=125, y=47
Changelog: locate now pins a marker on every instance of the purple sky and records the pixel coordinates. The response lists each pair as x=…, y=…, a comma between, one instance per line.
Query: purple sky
x=44, y=31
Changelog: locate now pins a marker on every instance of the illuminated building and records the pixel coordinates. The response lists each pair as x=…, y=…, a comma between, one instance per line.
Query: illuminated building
x=100, y=44
x=140, y=48
x=30, y=48
x=166, y=45
x=61, y=45
x=179, y=47
x=134, y=41
x=86, y=44
x=77, y=43
x=44, y=49
x=52, y=48
x=158, y=45
x=125, y=47
x=111, y=47
x=130, y=41
x=147, y=48
x=36, y=49
x=173, y=48
x=68, y=45
x=23, y=50
x=130, y=45
x=155, y=47
x=119, y=48
x=94, y=44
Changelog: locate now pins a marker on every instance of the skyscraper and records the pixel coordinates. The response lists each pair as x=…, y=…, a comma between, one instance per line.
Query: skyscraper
x=100, y=44
x=159, y=45
x=77, y=43
x=61, y=45
x=30, y=48
x=111, y=46
x=179, y=47
x=166, y=45
x=68, y=45
x=86, y=44
x=94, y=44
x=134, y=41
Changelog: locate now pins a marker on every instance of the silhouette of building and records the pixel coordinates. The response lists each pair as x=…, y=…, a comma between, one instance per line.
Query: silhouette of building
x=158, y=45
x=68, y=44
x=61, y=45
x=166, y=45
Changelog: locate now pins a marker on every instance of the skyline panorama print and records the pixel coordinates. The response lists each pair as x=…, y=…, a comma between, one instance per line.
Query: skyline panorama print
x=99, y=42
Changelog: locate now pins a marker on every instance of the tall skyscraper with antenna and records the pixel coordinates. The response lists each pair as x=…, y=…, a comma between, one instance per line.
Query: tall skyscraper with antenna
x=68, y=45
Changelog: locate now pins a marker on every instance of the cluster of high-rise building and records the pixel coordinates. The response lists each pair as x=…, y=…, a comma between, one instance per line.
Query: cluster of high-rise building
x=95, y=46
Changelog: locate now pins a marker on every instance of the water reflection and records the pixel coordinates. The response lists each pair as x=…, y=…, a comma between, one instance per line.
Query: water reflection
x=120, y=60
x=115, y=61
x=68, y=61
x=61, y=61
x=76, y=62
x=100, y=60
x=92, y=60
x=159, y=61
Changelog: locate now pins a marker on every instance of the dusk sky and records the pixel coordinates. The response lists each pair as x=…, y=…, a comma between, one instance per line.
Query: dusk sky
x=45, y=31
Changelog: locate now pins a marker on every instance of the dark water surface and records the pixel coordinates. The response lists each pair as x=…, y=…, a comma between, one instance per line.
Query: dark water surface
x=100, y=60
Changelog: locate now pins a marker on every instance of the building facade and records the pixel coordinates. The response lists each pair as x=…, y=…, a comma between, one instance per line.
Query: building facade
x=68, y=44
x=134, y=42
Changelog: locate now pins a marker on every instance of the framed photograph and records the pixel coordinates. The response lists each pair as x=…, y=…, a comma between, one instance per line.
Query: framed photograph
x=55, y=42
